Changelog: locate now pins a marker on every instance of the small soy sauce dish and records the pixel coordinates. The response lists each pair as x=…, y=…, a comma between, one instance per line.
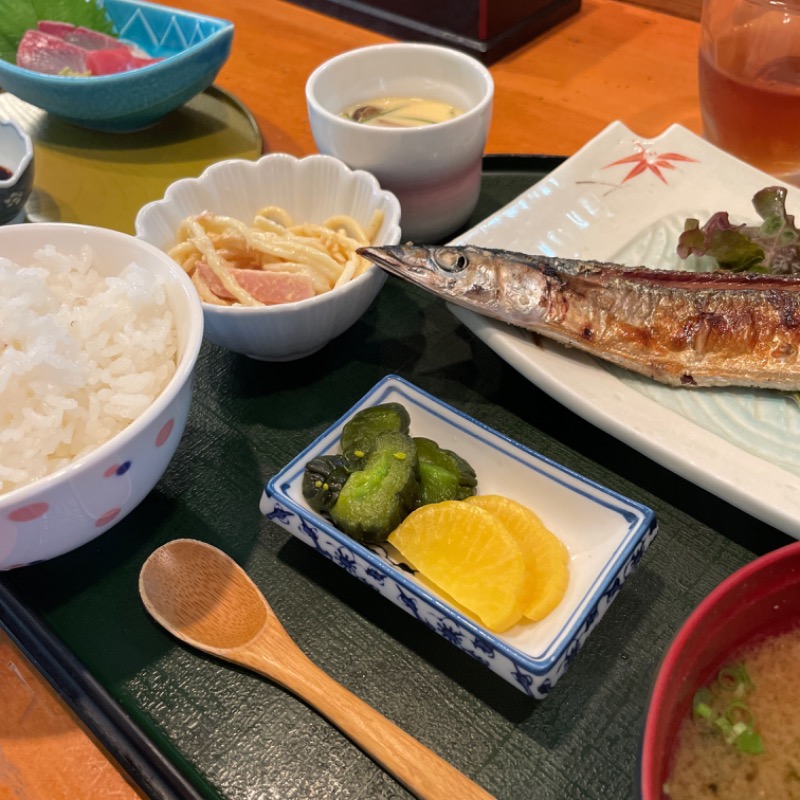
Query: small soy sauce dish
x=16, y=171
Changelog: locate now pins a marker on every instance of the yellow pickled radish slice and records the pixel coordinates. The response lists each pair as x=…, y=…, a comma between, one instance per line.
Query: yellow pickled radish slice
x=468, y=553
x=546, y=558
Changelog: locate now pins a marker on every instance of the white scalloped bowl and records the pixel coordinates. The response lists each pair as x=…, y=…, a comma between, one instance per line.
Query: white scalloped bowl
x=311, y=189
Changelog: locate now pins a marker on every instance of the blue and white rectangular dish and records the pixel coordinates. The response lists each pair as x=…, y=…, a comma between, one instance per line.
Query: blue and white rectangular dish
x=606, y=535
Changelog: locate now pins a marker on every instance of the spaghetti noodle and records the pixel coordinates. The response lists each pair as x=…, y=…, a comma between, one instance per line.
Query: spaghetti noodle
x=273, y=260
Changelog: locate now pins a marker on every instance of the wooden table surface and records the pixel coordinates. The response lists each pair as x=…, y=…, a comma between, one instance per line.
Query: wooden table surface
x=610, y=61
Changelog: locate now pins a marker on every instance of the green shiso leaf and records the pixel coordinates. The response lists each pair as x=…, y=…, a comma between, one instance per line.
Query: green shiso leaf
x=22, y=15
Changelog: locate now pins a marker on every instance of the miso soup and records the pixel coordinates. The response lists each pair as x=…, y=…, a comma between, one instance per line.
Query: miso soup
x=400, y=112
x=742, y=739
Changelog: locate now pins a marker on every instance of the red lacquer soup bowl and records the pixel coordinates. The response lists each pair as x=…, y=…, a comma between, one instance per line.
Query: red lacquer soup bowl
x=759, y=600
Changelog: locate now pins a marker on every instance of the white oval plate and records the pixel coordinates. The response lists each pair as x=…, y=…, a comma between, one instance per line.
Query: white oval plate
x=624, y=198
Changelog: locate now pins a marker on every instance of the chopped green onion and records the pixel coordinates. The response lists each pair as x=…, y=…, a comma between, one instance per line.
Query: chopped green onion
x=740, y=712
x=749, y=742
x=737, y=730
x=727, y=729
x=733, y=676
x=737, y=723
x=701, y=705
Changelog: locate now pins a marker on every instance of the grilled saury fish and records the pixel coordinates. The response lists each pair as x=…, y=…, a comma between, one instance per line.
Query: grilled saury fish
x=681, y=328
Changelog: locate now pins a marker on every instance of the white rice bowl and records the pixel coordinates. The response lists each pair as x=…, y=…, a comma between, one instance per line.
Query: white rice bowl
x=81, y=357
x=99, y=334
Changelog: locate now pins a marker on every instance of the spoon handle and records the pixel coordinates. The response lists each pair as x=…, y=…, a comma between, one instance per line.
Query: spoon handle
x=418, y=768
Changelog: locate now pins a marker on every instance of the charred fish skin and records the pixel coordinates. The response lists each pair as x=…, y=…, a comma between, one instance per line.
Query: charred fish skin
x=680, y=328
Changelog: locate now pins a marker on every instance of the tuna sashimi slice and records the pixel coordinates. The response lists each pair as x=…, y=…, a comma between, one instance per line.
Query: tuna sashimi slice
x=55, y=27
x=269, y=288
x=82, y=37
x=43, y=52
x=118, y=59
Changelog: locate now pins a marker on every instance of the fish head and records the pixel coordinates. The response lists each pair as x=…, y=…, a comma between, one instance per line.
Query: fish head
x=494, y=282
x=440, y=269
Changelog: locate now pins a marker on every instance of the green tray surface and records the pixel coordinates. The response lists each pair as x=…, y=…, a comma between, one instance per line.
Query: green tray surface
x=188, y=726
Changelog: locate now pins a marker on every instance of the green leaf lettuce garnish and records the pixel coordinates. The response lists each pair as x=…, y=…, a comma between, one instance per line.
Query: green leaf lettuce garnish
x=773, y=246
x=19, y=16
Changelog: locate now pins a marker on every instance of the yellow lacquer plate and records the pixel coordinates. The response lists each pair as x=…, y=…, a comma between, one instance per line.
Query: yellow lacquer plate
x=104, y=179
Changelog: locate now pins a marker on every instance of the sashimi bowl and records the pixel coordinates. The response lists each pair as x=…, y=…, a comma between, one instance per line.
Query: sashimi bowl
x=180, y=55
x=282, y=233
x=99, y=340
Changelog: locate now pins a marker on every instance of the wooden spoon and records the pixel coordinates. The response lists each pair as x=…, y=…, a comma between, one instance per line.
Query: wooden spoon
x=203, y=597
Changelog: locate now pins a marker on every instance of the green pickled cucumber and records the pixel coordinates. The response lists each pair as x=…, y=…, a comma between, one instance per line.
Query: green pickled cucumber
x=360, y=432
x=444, y=475
x=377, y=497
x=323, y=479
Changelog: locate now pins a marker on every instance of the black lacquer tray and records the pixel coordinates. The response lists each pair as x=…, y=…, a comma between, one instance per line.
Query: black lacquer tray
x=187, y=726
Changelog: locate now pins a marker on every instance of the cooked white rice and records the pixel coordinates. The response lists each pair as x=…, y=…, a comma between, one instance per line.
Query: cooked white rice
x=81, y=357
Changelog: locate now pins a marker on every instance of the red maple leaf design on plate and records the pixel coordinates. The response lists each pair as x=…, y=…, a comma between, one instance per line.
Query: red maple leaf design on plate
x=644, y=159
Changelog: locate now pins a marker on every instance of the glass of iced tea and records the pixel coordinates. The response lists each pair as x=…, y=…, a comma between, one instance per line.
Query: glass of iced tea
x=749, y=73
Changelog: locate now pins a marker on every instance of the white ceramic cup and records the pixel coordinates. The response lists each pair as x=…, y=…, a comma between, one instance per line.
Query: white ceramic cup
x=435, y=170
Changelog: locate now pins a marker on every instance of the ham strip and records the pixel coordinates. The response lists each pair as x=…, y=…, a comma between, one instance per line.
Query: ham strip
x=269, y=288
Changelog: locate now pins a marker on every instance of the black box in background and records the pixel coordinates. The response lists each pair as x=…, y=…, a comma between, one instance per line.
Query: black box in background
x=486, y=29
